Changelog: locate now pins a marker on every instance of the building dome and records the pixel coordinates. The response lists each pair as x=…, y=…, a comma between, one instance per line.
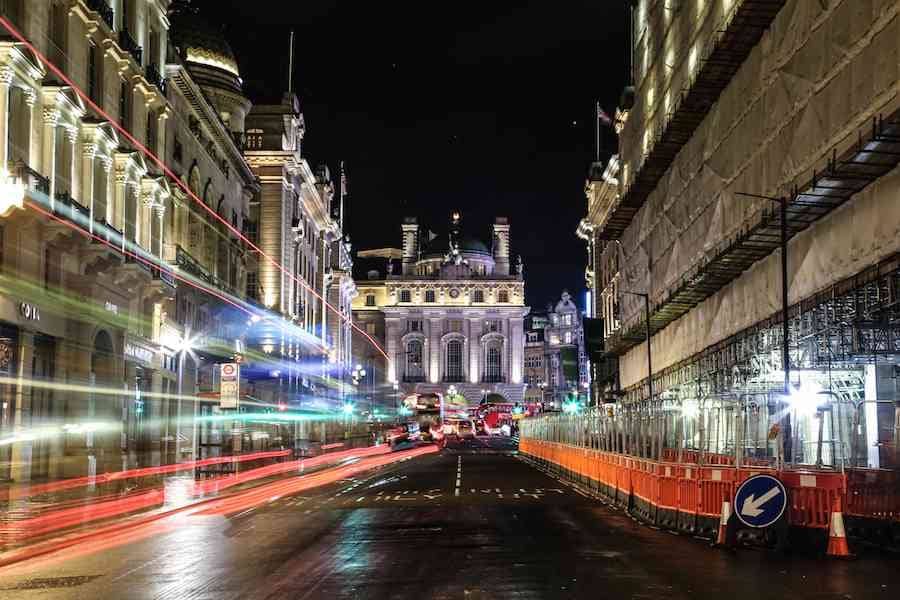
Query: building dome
x=211, y=62
x=440, y=246
x=199, y=42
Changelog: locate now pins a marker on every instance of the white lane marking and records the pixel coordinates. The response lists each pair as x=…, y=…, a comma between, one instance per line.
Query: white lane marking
x=458, y=475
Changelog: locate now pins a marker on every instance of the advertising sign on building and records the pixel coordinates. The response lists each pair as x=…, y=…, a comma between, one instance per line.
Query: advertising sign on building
x=229, y=385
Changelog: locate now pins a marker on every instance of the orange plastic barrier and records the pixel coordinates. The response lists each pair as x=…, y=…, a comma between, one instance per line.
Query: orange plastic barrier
x=660, y=491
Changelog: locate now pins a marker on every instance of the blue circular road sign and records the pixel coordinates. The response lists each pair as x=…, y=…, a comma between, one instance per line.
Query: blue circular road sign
x=760, y=501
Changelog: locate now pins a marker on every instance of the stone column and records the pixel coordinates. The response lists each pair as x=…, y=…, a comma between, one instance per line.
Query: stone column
x=159, y=213
x=6, y=76
x=144, y=226
x=474, y=335
x=74, y=187
x=48, y=164
x=88, y=153
x=434, y=350
x=117, y=200
x=31, y=101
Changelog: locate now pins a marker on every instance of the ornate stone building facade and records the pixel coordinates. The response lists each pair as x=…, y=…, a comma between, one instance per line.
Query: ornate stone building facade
x=452, y=315
x=115, y=279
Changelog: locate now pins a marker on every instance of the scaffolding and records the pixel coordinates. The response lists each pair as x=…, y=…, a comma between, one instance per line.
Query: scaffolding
x=873, y=155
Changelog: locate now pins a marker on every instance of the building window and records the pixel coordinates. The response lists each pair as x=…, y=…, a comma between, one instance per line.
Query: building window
x=493, y=325
x=125, y=106
x=568, y=337
x=492, y=363
x=429, y=295
x=151, y=130
x=252, y=230
x=177, y=150
x=405, y=296
x=18, y=133
x=567, y=320
x=14, y=11
x=95, y=74
x=370, y=328
x=370, y=299
x=52, y=268
x=252, y=286
x=414, y=325
x=454, y=325
x=454, y=361
x=414, y=360
x=503, y=296
x=59, y=18
x=478, y=296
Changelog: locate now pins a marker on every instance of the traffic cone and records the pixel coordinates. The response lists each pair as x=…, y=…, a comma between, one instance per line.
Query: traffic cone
x=837, y=535
x=723, y=524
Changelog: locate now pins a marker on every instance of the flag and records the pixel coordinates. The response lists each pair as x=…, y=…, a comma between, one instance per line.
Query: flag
x=345, y=190
x=602, y=116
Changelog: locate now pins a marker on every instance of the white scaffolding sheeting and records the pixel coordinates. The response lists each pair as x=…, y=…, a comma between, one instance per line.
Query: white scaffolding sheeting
x=817, y=77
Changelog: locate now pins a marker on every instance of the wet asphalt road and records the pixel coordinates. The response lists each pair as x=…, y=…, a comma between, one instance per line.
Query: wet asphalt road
x=472, y=522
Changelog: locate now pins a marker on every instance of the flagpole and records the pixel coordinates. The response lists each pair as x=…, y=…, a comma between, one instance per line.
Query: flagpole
x=341, y=209
x=597, y=122
x=291, y=64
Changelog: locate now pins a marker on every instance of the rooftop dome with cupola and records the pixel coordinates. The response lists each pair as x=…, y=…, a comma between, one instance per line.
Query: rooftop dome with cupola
x=206, y=53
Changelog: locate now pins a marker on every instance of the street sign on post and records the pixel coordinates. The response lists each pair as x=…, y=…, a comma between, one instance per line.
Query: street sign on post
x=229, y=385
x=760, y=501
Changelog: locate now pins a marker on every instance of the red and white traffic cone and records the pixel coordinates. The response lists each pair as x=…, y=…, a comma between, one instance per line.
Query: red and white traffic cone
x=837, y=535
x=723, y=524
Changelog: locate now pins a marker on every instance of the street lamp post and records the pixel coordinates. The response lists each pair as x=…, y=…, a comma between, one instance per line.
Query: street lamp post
x=785, y=327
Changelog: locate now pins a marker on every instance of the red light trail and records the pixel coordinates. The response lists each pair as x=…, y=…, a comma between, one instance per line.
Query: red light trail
x=174, y=178
x=68, y=484
x=108, y=536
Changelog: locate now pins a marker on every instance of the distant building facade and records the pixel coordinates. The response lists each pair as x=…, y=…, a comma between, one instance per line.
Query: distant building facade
x=452, y=314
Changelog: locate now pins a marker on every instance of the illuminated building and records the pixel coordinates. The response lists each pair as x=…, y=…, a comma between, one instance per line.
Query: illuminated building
x=451, y=313
x=297, y=217
x=98, y=313
x=737, y=111
x=565, y=362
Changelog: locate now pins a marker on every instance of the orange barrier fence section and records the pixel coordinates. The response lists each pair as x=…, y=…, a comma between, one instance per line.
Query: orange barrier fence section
x=654, y=489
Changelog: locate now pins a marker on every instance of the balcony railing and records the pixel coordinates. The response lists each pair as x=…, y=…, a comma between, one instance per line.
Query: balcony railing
x=153, y=76
x=32, y=180
x=413, y=379
x=191, y=265
x=104, y=10
x=127, y=43
x=163, y=275
x=66, y=206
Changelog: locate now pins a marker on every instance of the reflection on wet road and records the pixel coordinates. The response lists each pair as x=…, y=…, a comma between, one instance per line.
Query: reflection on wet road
x=474, y=521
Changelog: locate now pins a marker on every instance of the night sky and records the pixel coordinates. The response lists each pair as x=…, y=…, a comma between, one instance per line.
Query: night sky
x=482, y=107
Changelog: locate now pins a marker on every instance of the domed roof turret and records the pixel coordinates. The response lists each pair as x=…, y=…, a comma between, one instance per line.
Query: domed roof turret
x=203, y=47
x=440, y=246
x=455, y=240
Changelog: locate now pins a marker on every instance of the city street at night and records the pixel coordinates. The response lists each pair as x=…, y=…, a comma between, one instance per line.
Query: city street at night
x=471, y=300
x=403, y=532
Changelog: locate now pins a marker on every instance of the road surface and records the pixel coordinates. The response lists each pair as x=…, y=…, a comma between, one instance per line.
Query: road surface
x=474, y=521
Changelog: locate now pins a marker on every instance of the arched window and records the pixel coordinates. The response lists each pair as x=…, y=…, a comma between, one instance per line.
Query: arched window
x=492, y=363
x=454, y=361
x=414, y=370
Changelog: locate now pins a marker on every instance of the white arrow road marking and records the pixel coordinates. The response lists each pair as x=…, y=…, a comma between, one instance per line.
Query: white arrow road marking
x=751, y=507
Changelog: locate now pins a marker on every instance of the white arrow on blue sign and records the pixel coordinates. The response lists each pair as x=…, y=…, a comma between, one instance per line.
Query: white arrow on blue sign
x=760, y=501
